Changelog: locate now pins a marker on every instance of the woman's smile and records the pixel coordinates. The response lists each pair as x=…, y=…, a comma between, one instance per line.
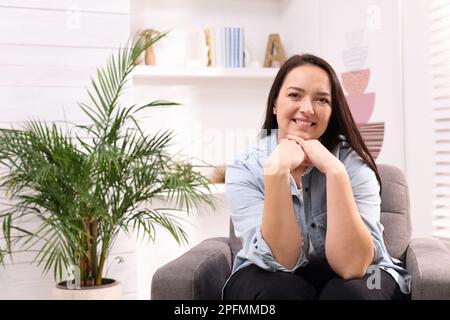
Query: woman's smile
x=303, y=124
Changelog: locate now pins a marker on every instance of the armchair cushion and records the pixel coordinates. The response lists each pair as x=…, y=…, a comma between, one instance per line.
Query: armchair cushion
x=198, y=274
x=428, y=260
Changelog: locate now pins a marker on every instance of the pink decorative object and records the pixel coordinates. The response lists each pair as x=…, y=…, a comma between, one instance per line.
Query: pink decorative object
x=373, y=136
x=355, y=82
x=361, y=106
x=355, y=58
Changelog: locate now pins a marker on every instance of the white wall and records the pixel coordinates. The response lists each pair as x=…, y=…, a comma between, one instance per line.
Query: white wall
x=418, y=108
x=49, y=49
x=301, y=26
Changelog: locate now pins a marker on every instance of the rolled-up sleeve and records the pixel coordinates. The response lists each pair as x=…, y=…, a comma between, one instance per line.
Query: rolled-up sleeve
x=246, y=203
x=366, y=190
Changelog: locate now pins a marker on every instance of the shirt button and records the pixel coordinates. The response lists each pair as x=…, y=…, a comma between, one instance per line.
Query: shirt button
x=313, y=225
x=306, y=189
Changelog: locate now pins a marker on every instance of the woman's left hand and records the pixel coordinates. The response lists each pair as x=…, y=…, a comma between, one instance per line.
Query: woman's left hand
x=318, y=155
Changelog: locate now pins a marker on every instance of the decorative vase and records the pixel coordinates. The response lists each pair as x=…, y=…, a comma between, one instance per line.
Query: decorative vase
x=149, y=54
x=355, y=82
x=361, y=106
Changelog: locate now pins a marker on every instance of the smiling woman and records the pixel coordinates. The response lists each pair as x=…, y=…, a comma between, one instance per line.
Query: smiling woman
x=305, y=202
x=303, y=106
x=318, y=88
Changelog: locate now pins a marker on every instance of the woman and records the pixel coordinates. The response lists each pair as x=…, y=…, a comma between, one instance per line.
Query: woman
x=305, y=201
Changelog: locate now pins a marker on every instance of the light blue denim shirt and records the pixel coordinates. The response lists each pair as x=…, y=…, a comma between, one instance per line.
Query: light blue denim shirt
x=245, y=194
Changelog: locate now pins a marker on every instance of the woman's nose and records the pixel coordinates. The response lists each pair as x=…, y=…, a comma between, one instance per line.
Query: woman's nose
x=306, y=106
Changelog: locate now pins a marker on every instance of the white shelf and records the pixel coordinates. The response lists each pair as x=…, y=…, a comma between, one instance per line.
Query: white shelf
x=155, y=73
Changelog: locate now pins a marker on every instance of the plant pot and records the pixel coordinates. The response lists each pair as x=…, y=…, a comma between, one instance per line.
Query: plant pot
x=109, y=290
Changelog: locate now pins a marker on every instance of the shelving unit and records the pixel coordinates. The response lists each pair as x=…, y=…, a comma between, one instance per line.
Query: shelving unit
x=218, y=104
x=155, y=73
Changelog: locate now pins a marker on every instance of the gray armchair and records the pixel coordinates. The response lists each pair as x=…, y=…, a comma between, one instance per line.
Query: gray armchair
x=201, y=272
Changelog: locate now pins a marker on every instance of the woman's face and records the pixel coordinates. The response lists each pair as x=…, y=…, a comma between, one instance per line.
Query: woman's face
x=303, y=107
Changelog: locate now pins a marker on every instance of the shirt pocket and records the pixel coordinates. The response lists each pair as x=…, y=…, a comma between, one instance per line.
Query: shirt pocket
x=319, y=231
x=320, y=220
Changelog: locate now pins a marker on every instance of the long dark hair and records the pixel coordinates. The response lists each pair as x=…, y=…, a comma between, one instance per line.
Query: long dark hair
x=341, y=120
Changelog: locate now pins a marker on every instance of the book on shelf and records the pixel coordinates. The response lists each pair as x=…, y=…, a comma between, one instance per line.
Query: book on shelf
x=225, y=47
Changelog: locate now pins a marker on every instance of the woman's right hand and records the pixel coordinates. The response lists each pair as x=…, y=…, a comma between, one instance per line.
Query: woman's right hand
x=287, y=155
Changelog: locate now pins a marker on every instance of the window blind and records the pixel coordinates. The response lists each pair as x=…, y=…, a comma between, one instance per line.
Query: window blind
x=440, y=69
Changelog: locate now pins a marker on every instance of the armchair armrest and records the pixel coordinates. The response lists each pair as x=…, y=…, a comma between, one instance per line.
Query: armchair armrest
x=428, y=261
x=200, y=273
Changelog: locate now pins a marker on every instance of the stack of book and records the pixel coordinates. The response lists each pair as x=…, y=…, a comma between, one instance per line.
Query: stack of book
x=225, y=47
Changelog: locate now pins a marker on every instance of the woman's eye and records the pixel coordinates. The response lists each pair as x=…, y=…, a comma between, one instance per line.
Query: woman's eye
x=295, y=95
x=323, y=100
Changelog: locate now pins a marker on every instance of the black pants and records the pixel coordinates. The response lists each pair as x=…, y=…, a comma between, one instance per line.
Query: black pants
x=314, y=281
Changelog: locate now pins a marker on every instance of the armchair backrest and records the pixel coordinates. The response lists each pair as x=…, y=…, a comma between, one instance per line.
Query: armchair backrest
x=395, y=216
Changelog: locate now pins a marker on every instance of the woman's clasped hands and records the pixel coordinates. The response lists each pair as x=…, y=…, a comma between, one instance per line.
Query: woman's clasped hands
x=293, y=151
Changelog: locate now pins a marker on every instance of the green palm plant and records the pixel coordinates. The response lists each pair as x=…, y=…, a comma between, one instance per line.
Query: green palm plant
x=84, y=191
